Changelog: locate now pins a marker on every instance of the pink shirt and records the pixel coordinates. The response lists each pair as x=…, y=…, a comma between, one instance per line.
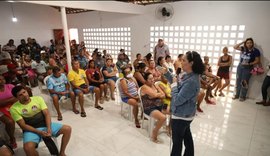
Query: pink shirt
x=7, y=92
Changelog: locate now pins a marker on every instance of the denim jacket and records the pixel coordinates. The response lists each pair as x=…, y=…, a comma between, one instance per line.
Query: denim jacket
x=184, y=96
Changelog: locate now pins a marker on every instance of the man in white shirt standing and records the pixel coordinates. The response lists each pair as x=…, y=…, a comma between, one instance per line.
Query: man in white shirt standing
x=161, y=50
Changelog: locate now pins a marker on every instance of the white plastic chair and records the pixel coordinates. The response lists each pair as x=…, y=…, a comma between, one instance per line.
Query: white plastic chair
x=122, y=103
x=151, y=120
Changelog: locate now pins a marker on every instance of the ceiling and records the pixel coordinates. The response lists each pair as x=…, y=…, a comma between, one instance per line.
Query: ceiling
x=147, y=2
x=72, y=10
x=139, y=2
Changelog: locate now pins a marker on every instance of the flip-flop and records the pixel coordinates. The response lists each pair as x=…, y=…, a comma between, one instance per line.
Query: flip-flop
x=76, y=111
x=83, y=114
x=137, y=124
x=59, y=118
x=99, y=107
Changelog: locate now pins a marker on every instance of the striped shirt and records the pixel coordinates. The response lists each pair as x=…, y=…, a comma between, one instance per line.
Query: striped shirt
x=132, y=89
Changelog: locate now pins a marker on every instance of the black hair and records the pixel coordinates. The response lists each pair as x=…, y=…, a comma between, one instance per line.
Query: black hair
x=141, y=65
x=90, y=61
x=56, y=69
x=146, y=75
x=138, y=55
x=167, y=56
x=109, y=59
x=148, y=56
x=180, y=55
x=159, y=59
x=74, y=60
x=197, y=66
x=16, y=90
x=124, y=68
x=248, y=39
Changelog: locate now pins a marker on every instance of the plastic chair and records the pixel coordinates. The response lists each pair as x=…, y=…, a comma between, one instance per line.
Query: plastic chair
x=151, y=120
x=118, y=94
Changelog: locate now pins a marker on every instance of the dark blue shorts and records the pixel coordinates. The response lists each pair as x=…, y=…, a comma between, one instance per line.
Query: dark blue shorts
x=125, y=99
x=148, y=111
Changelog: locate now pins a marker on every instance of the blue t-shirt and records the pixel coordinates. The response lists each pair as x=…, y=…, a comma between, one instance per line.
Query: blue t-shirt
x=57, y=84
x=83, y=61
x=249, y=56
x=109, y=70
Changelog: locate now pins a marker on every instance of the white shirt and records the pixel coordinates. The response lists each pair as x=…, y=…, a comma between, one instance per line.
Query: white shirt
x=161, y=51
x=4, y=55
x=40, y=67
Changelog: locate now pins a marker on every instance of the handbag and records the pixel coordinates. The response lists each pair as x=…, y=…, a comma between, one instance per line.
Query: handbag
x=257, y=69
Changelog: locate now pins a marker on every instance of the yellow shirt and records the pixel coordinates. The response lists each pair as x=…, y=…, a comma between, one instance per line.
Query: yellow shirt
x=77, y=78
x=167, y=87
x=19, y=111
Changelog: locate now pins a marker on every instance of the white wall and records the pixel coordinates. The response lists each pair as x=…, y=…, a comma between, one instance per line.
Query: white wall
x=38, y=21
x=35, y=21
x=254, y=15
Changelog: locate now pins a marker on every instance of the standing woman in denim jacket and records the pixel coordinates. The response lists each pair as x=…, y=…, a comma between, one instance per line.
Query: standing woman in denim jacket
x=183, y=104
x=249, y=56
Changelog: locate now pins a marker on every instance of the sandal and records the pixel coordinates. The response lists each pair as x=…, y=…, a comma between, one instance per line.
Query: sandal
x=59, y=118
x=99, y=107
x=156, y=141
x=83, y=114
x=137, y=124
x=75, y=111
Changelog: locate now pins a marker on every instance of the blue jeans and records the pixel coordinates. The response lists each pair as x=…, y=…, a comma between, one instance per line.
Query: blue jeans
x=242, y=74
x=181, y=132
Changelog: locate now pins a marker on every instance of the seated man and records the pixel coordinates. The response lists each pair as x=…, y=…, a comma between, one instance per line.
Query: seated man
x=109, y=73
x=32, y=115
x=39, y=68
x=80, y=85
x=59, y=88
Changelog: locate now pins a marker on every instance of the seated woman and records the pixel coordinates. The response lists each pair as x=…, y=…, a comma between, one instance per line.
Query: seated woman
x=7, y=100
x=164, y=70
x=139, y=73
x=129, y=92
x=147, y=59
x=26, y=64
x=152, y=69
x=109, y=73
x=152, y=96
x=96, y=79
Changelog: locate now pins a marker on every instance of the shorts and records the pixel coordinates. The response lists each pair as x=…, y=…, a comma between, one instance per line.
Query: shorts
x=125, y=99
x=91, y=89
x=151, y=109
x=33, y=137
x=224, y=75
x=96, y=84
x=164, y=107
x=59, y=96
x=112, y=78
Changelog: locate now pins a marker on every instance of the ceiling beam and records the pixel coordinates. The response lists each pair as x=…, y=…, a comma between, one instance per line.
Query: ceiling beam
x=107, y=6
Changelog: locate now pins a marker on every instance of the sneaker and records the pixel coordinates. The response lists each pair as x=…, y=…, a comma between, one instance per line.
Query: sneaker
x=261, y=102
x=242, y=99
x=235, y=97
x=267, y=103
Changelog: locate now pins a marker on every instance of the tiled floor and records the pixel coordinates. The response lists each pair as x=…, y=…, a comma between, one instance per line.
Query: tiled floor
x=230, y=128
